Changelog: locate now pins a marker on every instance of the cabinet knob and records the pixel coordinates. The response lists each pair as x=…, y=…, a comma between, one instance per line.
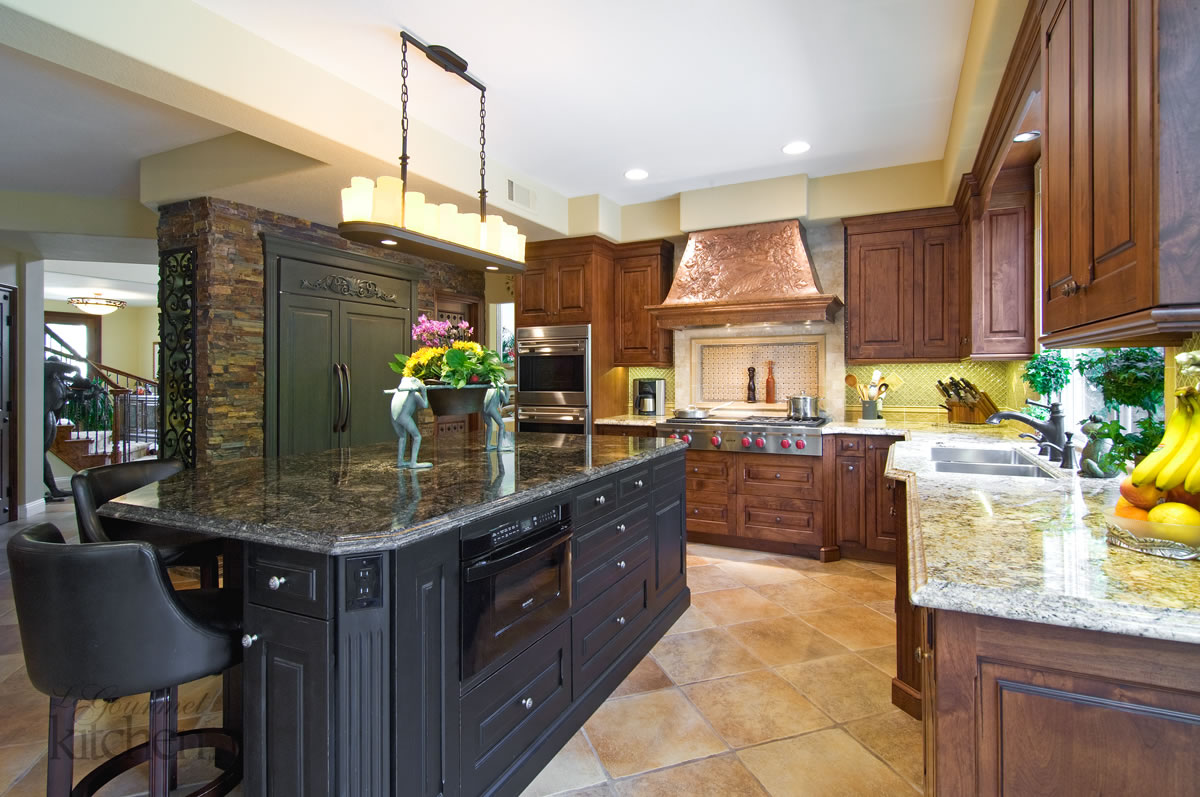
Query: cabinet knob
x=778, y=476
x=249, y=639
x=917, y=653
x=851, y=467
x=639, y=484
x=275, y=582
x=620, y=528
x=621, y=565
x=892, y=511
x=778, y=519
x=1069, y=288
x=527, y=703
x=600, y=500
x=620, y=621
x=696, y=511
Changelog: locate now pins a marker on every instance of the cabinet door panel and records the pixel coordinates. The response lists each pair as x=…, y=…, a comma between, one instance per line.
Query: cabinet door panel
x=935, y=290
x=534, y=294
x=1059, y=311
x=637, y=336
x=571, y=290
x=370, y=336
x=1002, y=310
x=288, y=711
x=851, y=501
x=881, y=526
x=880, y=273
x=308, y=385
x=670, y=544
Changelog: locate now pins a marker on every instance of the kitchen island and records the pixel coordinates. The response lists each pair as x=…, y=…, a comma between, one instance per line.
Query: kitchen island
x=1049, y=662
x=442, y=631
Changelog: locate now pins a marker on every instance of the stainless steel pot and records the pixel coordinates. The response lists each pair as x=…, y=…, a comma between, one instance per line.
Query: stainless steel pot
x=803, y=407
x=694, y=413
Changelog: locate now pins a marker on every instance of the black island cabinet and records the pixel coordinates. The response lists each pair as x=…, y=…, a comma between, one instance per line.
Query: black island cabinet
x=437, y=632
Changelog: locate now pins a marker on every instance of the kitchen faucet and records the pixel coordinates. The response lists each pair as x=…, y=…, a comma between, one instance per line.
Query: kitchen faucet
x=1053, y=431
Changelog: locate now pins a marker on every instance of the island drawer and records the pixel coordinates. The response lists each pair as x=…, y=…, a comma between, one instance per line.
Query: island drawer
x=635, y=484
x=603, y=628
x=779, y=519
x=295, y=581
x=595, y=539
x=504, y=715
x=611, y=569
x=596, y=499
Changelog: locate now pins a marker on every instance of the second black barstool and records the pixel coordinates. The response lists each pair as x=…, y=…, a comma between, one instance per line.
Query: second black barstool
x=97, y=486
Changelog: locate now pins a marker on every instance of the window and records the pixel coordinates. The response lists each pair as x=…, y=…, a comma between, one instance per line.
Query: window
x=1080, y=399
x=80, y=332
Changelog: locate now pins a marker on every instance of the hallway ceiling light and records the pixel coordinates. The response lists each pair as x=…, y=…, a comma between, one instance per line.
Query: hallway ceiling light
x=96, y=305
x=386, y=213
x=636, y=174
x=796, y=148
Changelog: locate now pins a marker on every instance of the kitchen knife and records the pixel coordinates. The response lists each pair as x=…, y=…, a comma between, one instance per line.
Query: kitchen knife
x=974, y=391
x=945, y=391
x=961, y=391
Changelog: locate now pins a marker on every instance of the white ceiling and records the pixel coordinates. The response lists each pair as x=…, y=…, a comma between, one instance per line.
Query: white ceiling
x=697, y=92
x=135, y=283
x=65, y=132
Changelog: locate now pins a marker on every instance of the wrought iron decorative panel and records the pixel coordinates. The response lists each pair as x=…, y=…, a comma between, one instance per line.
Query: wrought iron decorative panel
x=177, y=369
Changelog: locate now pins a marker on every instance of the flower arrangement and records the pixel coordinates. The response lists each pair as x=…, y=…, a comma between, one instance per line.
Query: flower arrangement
x=447, y=355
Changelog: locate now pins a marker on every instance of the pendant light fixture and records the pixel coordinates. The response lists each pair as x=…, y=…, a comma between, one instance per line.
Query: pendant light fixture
x=96, y=305
x=385, y=213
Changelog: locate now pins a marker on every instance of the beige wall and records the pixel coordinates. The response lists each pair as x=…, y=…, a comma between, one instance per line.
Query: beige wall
x=125, y=337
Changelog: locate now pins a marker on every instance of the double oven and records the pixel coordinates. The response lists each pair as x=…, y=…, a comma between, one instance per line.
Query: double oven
x=554, y=389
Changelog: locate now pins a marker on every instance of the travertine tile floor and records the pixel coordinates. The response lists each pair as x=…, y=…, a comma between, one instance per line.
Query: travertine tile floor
x=776, y=682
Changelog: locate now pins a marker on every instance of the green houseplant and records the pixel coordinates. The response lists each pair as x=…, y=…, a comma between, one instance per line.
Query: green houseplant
x=1131, y=377
x=1046, y=374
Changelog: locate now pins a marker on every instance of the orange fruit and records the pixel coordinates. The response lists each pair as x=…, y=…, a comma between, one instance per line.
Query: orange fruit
x=1126, y=509
x=1145, y=496
x=1182, y=496
x=1175, y=514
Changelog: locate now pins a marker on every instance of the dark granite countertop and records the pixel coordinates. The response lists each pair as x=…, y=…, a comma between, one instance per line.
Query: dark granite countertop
x=356, y=499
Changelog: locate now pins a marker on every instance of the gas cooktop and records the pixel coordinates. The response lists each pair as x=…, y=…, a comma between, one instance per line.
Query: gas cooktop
x=756, y=434
x=751, y=420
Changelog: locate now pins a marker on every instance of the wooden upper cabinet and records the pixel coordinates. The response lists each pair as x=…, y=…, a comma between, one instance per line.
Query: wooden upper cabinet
x=1120, y=174
x=642, y=276
x=1001, y=274
x=534, y=293
x=571, y=290
x=567, y=281
x=935, y=292
x=879, y=311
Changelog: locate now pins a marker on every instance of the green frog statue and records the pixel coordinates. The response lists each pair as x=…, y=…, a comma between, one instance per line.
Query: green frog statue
x=407, y=398
x=1097, y=446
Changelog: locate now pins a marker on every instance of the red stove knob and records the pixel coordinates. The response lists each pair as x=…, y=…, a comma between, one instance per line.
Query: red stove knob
x=745, y=442
x=687, y=438
x=673, y=436
x=760, y=442
x=716, y=440
x=785, y=443
x=800, y=444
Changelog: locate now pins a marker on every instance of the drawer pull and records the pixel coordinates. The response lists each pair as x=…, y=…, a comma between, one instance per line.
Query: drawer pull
x=892, y=511
x=527, y=703
x=600, y=500
x=621, y=565
x=526, y=603
x=778, y=476
x=275, y=582
x=249, y=639
x=778, y=519
x=639, y=484
x=695, y=470
x=620, y=621
x=620, y=528
x=696, y=511
x=851, y=467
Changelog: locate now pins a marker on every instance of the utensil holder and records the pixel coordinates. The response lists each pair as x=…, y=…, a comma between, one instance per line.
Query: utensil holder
x=870, y=410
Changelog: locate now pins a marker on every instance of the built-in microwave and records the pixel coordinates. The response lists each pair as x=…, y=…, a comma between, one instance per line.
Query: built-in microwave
x=554, y=366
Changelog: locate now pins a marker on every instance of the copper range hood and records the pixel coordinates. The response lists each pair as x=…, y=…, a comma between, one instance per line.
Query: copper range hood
x=749, y=274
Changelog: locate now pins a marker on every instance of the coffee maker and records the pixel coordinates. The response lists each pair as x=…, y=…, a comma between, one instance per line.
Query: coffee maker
x=650, y=396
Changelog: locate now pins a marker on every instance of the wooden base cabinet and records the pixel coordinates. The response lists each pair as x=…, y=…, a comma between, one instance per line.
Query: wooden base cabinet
x=868, y=521
x=1026, y=708
x=621, y=430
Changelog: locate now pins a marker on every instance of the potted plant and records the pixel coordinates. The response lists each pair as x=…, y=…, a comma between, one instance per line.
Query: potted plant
x=1046, y=374
x=457, y=370
x=1131, y=377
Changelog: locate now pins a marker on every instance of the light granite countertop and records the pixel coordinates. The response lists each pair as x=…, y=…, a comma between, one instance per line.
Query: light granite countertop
x=939, y=430
x=353, y=500
x=631, y=420
x=1033, y=549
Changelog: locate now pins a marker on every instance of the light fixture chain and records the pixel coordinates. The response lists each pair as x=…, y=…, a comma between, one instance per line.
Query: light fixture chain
x=403, y=130
x=482, y=154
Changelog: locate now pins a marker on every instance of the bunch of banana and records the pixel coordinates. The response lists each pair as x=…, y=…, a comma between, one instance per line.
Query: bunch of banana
x=1176, y=460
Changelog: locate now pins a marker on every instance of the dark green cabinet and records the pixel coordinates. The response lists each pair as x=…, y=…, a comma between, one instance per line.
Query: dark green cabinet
x=333, y=323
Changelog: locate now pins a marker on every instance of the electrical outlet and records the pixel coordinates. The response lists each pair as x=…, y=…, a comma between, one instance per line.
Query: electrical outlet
x=364, y=589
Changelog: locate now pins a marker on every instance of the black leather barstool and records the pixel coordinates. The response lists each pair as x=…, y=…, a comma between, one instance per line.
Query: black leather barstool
x=101, y=621
x=94, y=487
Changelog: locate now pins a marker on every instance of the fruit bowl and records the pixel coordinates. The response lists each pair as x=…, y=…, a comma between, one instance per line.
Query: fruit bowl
x=1159, y=539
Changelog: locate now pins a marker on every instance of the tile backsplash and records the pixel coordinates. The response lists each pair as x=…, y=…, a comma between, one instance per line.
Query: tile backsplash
x=1001, y=381
x=724, y=375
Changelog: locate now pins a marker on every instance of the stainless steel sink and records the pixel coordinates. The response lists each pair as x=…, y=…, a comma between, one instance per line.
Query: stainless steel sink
x=991, y=456
x=992, y=469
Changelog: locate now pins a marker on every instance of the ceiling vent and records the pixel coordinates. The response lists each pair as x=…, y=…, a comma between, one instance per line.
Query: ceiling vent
x=522, y=196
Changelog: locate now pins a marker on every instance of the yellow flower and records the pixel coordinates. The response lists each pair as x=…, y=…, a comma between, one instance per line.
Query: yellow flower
x=468, y=345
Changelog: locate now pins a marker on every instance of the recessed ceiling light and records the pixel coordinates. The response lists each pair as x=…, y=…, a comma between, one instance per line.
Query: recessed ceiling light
x=387, y=242
x=1028, y=135
x=492, y=268
x=796, y=147
x=636, y=174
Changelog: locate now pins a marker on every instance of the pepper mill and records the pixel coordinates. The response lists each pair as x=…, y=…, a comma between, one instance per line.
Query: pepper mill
x=770, y=381
x=750, y=390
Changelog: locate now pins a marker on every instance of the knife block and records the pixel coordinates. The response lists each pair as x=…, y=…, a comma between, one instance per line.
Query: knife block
x=961, y=412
